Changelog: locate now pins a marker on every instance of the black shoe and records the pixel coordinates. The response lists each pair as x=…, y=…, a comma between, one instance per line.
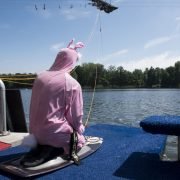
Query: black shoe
x=31, y=154
x=40, y=155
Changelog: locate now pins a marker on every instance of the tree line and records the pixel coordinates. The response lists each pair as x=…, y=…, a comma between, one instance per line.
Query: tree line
x=118, y=77
x=115, y=77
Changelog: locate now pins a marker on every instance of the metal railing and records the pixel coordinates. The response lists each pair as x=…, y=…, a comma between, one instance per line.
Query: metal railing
x=3, y=125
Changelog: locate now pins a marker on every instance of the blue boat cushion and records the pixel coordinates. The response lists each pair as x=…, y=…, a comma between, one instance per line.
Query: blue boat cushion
x=169, y=125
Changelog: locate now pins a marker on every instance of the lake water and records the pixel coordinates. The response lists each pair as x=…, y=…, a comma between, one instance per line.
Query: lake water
x=127, y=106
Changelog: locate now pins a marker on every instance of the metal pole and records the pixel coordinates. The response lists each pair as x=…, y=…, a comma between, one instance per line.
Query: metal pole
x=3, y=126
x=178, y=147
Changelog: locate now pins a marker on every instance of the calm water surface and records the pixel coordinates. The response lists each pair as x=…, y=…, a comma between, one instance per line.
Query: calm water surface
x=127, y=106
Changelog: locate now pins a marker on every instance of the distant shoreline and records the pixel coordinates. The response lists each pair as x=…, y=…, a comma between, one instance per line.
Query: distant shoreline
x=89, y=74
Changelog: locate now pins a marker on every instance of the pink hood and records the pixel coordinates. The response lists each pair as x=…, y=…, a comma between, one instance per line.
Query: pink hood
x=67, y=58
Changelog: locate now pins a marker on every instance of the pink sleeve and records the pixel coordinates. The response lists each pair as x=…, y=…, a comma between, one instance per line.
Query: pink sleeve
x=74, y=108
x=77, y=111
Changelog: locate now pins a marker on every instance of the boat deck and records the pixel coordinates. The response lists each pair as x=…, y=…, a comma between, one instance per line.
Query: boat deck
x=126, y=153
x=13, y=138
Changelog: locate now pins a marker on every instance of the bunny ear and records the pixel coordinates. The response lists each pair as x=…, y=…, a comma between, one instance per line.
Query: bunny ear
x=79, y=45
x=76, y=46
x=70, y=43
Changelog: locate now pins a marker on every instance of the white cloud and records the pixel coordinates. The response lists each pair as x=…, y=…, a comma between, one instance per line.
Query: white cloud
x=120, y=52
x=117, y=1
x=45, y=14
x=116, y=54
x=178, y=18
x=165, y=39
x=178, y=25
x=56, y=47
x=162, y=60
x=72, y=14
x=157, y=41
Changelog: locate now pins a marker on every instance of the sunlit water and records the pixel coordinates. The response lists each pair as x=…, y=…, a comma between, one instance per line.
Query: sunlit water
x=127, y=106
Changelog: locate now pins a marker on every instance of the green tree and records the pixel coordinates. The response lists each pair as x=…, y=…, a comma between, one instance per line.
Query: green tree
x=171, y=76
x=138, y=78
x=177, y=74
x=112, y=76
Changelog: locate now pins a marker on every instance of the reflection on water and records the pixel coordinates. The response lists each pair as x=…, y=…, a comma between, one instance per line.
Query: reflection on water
x=127, y=106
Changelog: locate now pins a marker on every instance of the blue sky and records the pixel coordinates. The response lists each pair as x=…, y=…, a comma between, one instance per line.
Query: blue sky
x=139, y=34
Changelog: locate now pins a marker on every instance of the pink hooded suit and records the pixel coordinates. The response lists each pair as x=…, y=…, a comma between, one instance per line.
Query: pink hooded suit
x=57, y=104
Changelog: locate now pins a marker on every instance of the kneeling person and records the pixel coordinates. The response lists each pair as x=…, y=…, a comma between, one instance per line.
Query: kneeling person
x=56, y=109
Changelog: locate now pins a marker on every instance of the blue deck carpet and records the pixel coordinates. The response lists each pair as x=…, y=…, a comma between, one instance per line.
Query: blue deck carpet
x=126, y=153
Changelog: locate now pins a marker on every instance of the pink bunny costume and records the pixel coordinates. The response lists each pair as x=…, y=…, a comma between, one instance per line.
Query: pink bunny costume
x=57, y=104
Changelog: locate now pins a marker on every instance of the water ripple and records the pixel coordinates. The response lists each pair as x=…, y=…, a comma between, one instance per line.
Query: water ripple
x=125, y=106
